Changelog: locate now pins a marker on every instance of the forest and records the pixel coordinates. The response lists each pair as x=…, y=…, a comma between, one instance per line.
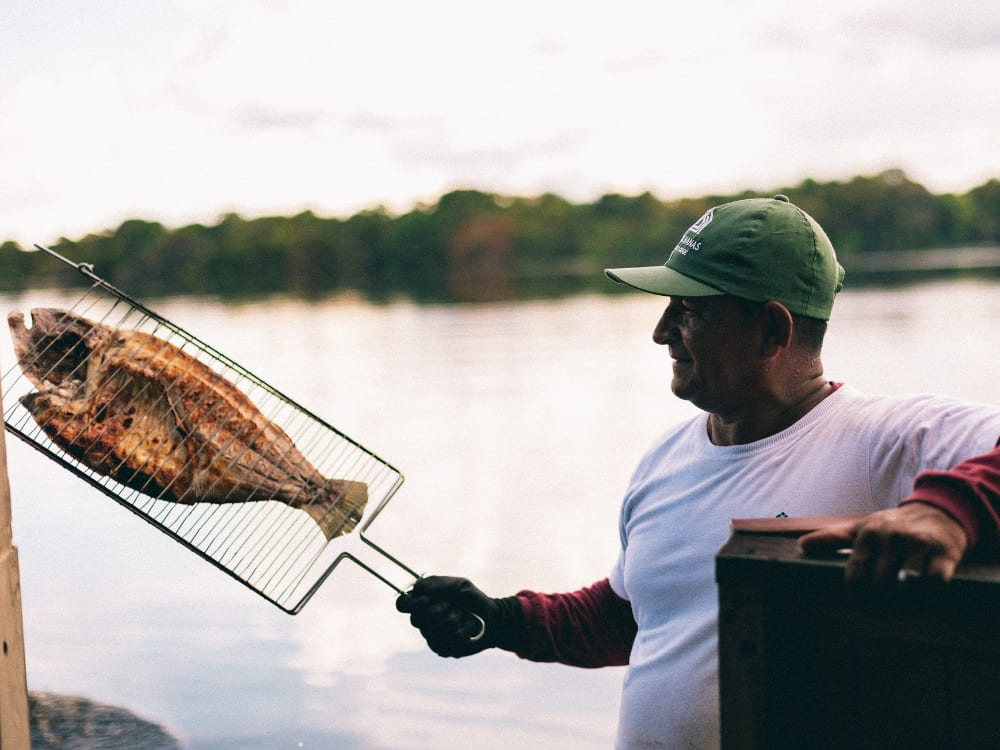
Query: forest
x=473, y=246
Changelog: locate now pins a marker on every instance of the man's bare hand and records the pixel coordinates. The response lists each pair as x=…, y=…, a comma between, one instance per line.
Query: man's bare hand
x=915, y=540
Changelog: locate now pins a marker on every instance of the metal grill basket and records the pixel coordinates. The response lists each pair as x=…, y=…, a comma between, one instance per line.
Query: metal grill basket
x=275, y=549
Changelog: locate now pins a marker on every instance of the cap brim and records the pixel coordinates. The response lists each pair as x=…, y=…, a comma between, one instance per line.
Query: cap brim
x=661, y=280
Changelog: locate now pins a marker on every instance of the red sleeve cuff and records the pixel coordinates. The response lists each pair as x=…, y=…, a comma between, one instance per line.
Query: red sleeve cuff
x=950, y=499
x=969, y=493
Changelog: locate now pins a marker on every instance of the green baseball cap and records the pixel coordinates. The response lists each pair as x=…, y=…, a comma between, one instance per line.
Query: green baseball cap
x=759, y=249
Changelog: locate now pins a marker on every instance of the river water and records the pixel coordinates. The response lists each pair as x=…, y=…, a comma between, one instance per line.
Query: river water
x=516, y=427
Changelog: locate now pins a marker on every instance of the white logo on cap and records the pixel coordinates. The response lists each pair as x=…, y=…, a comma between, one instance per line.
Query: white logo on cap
x=703, y=222
x=687, y=242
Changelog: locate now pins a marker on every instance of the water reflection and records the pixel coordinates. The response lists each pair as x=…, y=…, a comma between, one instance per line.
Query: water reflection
x=516, y=426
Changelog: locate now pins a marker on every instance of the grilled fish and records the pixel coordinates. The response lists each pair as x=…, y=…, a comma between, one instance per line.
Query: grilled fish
x=140, y=410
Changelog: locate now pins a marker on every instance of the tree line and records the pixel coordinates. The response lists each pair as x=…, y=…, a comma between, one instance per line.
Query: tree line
x=475, y=246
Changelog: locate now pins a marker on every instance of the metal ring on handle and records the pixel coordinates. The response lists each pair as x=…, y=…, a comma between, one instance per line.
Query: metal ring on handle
x=482, y=628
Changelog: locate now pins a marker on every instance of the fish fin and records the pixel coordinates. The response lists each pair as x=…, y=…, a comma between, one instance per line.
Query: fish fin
x=340, y=510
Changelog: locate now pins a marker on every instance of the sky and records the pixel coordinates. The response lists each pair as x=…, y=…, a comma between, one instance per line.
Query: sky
x=181, y=111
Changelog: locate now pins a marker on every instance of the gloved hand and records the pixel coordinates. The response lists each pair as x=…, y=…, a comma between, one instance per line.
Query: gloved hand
x=457, y=619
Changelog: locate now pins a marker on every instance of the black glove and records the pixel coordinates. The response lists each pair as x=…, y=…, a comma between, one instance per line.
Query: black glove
x=457, y=619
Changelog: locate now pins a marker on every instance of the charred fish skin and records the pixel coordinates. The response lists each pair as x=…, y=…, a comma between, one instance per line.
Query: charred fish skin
x=144, y=412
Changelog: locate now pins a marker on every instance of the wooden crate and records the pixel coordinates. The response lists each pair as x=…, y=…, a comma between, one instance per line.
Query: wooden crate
x=803, y=666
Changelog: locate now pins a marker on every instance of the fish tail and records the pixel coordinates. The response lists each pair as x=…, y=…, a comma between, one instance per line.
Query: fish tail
x=340, y=508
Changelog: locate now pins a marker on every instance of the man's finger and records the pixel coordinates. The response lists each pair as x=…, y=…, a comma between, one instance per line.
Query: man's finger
x=886, y=559
x=860, y=567
x=827, y=540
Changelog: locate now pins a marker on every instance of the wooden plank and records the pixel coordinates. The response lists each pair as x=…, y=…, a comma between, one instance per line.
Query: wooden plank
x=14, y=724
x=15, y=731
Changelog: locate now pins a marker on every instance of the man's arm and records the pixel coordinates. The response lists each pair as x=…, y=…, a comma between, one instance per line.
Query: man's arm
x=591, y=627
x=948, y=515
x=969, y=493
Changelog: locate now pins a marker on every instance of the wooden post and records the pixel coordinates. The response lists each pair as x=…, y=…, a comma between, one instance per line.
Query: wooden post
x=15, y=732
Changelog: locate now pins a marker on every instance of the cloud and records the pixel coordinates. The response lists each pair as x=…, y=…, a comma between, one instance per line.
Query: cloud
x=963, y=26
x=261, y=107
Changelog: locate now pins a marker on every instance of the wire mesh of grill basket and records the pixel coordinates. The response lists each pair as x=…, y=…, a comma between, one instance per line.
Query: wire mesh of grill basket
x=195, y=444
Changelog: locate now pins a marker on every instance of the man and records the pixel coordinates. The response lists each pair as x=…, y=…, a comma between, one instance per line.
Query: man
x=751, y=285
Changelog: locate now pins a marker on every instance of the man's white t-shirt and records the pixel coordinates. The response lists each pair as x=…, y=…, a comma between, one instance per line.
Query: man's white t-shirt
x=853, y=453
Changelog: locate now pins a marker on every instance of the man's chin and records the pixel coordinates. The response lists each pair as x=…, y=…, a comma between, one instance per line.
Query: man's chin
x=682, y=390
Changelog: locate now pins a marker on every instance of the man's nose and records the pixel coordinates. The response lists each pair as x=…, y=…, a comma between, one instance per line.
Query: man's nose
x=664, y=332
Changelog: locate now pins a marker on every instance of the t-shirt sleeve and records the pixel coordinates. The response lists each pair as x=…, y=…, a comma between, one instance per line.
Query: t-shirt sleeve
x=591, y=627
x=926, y=434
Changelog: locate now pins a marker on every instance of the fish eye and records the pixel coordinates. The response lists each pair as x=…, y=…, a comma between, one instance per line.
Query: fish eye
x=62, y=355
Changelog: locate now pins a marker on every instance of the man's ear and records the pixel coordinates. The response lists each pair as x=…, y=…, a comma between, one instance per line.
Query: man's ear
x=777, y=327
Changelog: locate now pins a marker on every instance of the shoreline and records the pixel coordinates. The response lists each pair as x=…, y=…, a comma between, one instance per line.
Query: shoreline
x=65, y=721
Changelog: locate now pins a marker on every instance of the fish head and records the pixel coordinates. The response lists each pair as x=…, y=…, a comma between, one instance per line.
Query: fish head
x=57, y=347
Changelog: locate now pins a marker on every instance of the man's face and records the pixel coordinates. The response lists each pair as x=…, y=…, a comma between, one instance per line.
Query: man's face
x=715, y=348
